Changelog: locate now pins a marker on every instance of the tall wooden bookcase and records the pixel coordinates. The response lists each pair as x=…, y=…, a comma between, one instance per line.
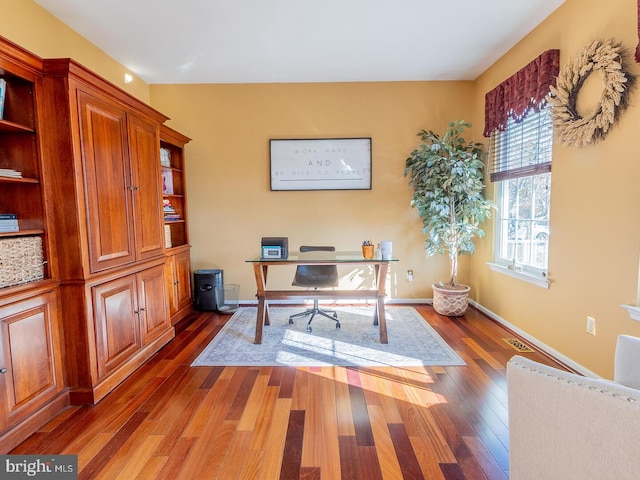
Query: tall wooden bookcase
x=32, y=386
x=176, y=228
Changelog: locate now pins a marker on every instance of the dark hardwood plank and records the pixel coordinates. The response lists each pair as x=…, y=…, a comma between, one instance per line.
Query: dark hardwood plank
x=364, y=435
x=287, y=382
x=292, y=454
x=404, y=451
x=93, y=469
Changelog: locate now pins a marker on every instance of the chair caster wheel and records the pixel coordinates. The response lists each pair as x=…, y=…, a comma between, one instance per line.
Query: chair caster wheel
x=308, y=329
x=335, y=315
x=290, y=321
x=337, y=325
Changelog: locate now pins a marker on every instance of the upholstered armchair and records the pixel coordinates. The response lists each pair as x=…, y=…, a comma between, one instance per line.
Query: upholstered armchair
x=564, y=426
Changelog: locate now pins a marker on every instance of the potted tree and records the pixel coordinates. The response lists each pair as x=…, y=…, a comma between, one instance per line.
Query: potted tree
x=446, y=174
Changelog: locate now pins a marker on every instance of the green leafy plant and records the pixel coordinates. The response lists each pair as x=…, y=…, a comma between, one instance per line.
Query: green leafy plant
x=446, y=174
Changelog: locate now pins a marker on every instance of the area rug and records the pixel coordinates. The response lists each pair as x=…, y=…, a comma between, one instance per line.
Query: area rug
x=412, y=341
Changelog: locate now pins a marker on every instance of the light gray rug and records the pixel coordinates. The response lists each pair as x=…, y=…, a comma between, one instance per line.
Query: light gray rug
x=412, y=341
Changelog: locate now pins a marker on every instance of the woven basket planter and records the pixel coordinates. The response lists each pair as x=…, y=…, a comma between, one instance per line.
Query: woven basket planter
x=451, y=303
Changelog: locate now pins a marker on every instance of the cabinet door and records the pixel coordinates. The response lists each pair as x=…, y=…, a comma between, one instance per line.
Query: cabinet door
x=170, y=278
x=103, y=130
x=115, y=306
x=30, y=357
x=144, y=150
x=183, y=279
x=154, y=319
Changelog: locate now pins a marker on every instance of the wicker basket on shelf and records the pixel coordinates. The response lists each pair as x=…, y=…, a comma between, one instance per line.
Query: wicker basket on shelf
x=21, y=260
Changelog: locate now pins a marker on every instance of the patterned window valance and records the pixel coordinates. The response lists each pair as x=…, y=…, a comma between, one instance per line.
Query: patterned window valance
x=523, y=91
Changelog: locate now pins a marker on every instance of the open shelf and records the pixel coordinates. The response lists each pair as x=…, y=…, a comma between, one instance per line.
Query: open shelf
x=20, y=152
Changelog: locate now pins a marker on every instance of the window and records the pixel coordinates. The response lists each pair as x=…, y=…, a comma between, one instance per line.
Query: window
x=520, y=157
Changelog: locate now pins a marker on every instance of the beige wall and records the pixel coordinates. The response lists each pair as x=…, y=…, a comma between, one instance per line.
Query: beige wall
x=594, y=190
x=594, y=241
x=230, y=203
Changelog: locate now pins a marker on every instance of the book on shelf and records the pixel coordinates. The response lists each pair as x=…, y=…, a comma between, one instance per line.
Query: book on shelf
x=3, y=89
x=167, y=236
x=167, y=207
x=8, y=223
x=171, y=217
x=167, y=182
x=9, y=172
x=165, y=157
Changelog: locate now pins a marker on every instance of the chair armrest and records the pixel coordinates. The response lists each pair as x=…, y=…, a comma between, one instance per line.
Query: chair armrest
x=627, y=361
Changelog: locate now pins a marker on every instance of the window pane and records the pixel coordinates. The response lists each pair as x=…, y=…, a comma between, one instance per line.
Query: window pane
x=524, y=230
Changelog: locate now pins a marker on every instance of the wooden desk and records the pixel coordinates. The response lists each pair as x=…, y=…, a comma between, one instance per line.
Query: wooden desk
x=261, y=266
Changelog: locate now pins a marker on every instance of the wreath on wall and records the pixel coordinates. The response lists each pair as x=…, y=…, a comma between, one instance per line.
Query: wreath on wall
x=610, y=59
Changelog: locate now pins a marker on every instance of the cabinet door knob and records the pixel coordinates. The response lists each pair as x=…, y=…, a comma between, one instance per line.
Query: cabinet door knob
x=3, y=371
x=142, y=309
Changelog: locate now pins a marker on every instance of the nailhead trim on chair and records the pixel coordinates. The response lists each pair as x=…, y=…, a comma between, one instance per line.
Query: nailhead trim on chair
x=571, y=382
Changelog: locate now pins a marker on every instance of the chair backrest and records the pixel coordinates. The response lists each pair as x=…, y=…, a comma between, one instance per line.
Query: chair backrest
x=317, y=248
x=627, y=361
x=316, y=275
x=557, y=420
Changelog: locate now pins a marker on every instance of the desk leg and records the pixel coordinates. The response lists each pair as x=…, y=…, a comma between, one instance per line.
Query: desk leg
x=377, y=280
x=266, y=305
x=260, y=319
x=382, y=320
x=381, y=277
x=266, y=314
x=260, y=272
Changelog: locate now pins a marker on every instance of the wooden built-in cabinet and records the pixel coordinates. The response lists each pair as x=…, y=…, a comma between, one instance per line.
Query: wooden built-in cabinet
x=179, y=285
x=81, y=168
x=176, y=230
x=105, y=181
x=32, y=389
x=130, y=314
x=31, y=375
x=119, y=151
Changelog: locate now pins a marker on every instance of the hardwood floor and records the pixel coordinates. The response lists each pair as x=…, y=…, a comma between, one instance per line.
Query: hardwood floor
x=171, y=421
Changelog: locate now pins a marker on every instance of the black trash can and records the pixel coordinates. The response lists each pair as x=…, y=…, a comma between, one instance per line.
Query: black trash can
x=205, y=283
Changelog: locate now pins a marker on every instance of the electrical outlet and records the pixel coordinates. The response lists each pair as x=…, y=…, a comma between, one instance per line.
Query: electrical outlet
x=409, y=275
x=591, y=325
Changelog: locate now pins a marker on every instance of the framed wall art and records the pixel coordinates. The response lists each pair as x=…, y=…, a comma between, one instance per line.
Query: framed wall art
x=320, y=164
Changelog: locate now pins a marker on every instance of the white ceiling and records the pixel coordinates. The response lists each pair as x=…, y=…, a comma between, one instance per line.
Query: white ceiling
x=257, y=41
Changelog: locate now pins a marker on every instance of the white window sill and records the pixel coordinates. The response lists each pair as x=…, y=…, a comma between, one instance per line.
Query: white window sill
x=520, y=275
x=634, y=312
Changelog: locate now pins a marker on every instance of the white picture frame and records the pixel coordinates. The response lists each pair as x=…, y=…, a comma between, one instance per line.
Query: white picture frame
x=320, y=164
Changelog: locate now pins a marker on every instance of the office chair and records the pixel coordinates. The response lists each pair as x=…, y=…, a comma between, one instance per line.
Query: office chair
x=316, y=276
